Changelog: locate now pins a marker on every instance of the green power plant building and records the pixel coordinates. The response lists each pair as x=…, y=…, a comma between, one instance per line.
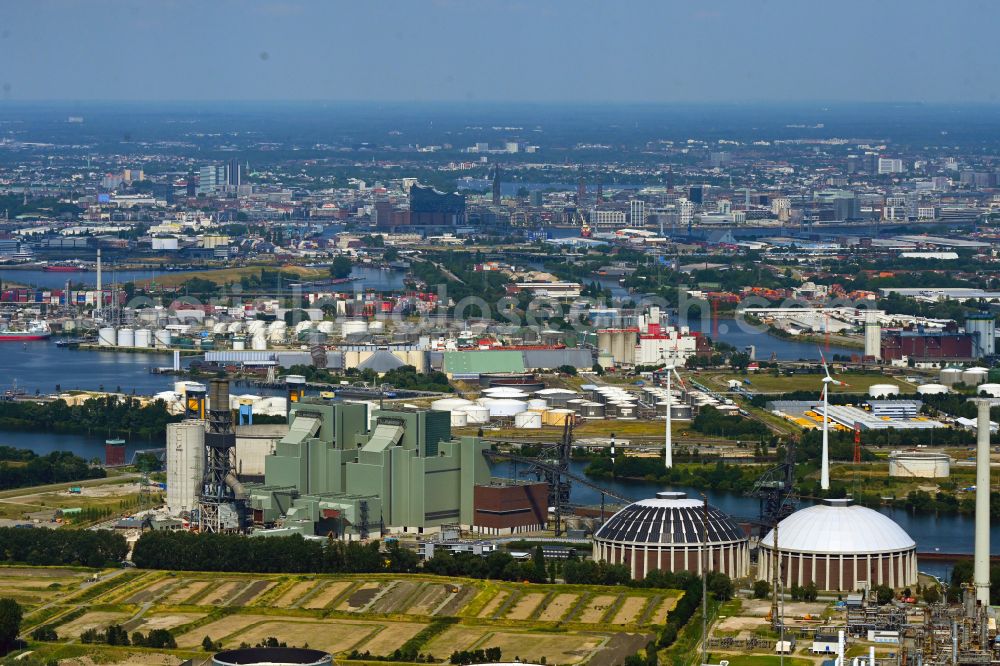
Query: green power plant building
x=339, y=473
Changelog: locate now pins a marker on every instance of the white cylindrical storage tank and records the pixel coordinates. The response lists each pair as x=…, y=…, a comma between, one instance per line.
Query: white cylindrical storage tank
x=974, y=376
x=376, y=327
x=107, y=337
x=626, y=412
x=276, y=325
x=502, y=407
x=354, y=326
x=459, y=419
x=259, y=342
x=504, y=392
x=476, y=414
x=528, y=420
x=576, y=404
x=239, y=343
x=144, y=338
x=484, y=402
x=219, y=329
x=303, y=326
x=932, y=389
x=126, y=337
x=917, y=464
x=235, y=327
x=992, y=390
x=163, y=338
x=185, y=453
x=537, y=403
x=450, y=404
x=277, y=336
x=950, y=376
x=325, y=327
x=592, y=410
x=883, y=390
x=256, y=326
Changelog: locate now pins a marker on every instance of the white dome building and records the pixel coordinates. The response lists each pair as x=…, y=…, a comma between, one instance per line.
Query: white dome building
x=665, y=533
x=840, y=547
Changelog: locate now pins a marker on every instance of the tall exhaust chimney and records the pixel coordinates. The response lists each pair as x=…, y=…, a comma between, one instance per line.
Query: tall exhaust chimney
x=100, y=292
x=981, y=572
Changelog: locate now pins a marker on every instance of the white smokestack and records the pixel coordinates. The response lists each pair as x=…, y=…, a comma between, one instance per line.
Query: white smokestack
x=99, y=275
x=668, y=446
x=824, y=472
x=981, y=572
x=840, y=648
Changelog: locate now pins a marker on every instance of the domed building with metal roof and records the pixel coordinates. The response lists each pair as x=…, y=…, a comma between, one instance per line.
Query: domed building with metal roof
x=669, y=533
x=840, y=547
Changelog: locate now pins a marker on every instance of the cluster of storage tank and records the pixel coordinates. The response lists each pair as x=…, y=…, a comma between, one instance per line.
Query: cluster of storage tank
x=968, y=376
x=679, y=407
x=143, y=338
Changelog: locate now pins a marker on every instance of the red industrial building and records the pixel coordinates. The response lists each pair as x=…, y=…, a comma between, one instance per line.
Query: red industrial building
x=927, y=346
x=510, y=507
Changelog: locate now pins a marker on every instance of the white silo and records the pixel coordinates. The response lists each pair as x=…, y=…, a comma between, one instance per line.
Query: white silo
x=873, y=336
x=163, y=338
x=144, y=338
x=239, y=343
x=932, y=389
x=126, y=337
x=219, y=329
x=450, y=404
x=107, y=337
x=983, y=329
x=259, y=341
x=354, y=326
x=459, y=419
x=235, y=327
x=185, y=465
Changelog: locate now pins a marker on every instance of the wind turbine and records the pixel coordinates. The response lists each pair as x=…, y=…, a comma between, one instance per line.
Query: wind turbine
x=668, y=453
x=824, y=474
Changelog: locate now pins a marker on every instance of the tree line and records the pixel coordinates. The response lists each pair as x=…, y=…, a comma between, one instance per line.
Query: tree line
x=109, y=415
x=45, y=547
x=20, y=468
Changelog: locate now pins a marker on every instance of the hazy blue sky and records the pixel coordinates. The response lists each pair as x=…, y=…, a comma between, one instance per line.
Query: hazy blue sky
x=507, y=50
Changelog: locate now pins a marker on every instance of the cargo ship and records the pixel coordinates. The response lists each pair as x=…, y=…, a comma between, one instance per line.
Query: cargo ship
x=63, y=269
x=36, y=330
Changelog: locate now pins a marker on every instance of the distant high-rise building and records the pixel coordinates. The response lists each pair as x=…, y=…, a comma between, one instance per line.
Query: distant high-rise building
x=234, y=174
x=696, y=194
x=496, y=185
x=888, y=165
x=637, y=213
x=686, y=209
x=211, y=179
x=581, y=192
